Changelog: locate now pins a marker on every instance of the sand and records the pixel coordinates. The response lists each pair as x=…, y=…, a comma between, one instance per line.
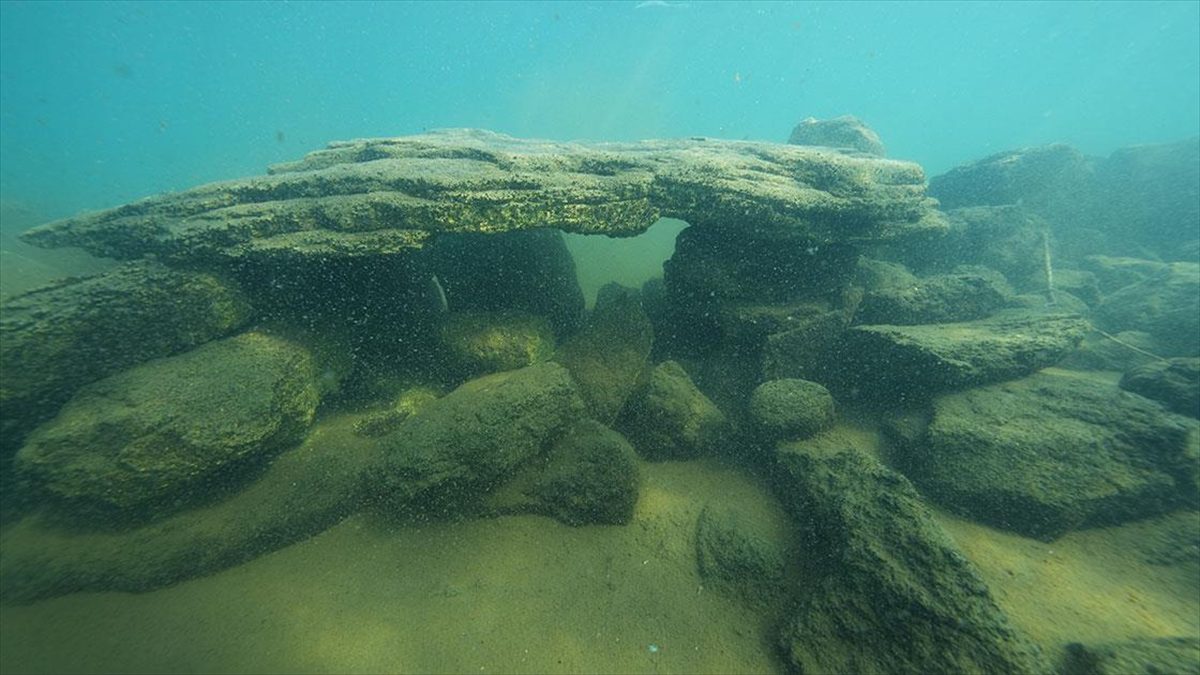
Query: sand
x=512, y=594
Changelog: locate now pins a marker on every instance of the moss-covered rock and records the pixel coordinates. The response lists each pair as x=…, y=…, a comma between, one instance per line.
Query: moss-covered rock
x=385, y=421
x=588, y=477
x=608, y=357
x=55, y=339
x=940, y=298
x=1043, y=177
x=472, y=439
x=1121, y=352
x=487, y=342
x=153, y=435
x=790, y=409
x=802, y=348
x=1164, y=305
x=894, y=363
x=385, y=195
x=846, y=131
x=1175, y=383
x=461, y=444
x=1150, y=197
x=745, y=550
x=1114, y=273
x=1050, y=453
x=893, y=594
x=670, y=418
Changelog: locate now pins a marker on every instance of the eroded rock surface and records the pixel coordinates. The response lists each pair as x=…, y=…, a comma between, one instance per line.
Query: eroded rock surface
x=893, y=595
x=367, y=196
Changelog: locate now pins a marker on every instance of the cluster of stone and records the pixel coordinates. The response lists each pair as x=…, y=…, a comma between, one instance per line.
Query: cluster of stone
x=395, y=324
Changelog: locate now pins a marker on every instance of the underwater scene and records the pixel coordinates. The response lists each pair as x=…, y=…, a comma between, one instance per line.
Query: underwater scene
x=658, y=336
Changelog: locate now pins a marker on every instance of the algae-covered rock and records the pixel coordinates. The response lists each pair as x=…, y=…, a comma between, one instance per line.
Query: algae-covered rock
x=1050, y=453
x=1152, y=196
x=607, y=358
x=55, y=339
x=725, y=286
x=670, y=418
x=386, y=195
x=1121, y=352
x=896, y=362
x=937, y=299
x=893, y=594
x=487, y=342
x=306, y=489
x=1115, y=273
x=588, y=477
x=387, y=420
x=1145, y=656
x=1044, y=177
x=846, y=131
x=1164, y=305
x=1175, y=383
x=791, y=409
x=470, y=439
x=744, y=550
x=1007, y=238
x=155, y=433
x=477, y=435
x=802, y=349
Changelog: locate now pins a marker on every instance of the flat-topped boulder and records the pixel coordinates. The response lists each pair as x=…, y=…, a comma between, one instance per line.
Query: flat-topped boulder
x=387, y=195
x=894, y=363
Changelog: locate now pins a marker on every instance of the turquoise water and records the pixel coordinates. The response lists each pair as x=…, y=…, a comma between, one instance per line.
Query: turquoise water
x=322, y=550
x=108, y=102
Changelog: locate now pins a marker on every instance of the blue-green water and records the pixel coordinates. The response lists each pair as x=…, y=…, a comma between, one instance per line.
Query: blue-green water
x=310, y=557
x=107, y=102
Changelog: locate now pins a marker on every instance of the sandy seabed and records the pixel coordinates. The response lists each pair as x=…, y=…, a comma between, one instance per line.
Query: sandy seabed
x=527, y=594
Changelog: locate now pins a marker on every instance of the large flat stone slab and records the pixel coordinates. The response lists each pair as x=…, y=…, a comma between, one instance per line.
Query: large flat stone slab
x=907, y=362
x=386, y=195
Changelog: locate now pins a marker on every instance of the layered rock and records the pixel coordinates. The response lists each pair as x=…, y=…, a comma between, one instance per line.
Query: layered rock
x=942, y=298
x=911, y=362
x=365, y=196
x=55, y=339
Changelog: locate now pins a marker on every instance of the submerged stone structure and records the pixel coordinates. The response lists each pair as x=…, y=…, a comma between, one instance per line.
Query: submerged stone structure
x=435, y=263
x=389, y=195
